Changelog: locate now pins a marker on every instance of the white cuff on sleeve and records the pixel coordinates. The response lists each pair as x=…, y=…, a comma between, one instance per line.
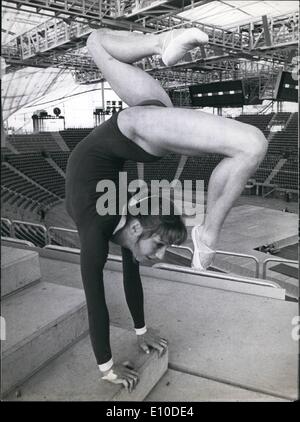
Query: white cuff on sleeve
x=106, y=366
x=140, y=331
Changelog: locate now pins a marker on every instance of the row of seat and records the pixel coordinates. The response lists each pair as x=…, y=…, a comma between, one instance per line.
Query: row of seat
x=12, y=198
x=14, y=182
x=38, y=169
x=285, y=142
x=200, y=168
x=42, y=141
x=266, y=167
x=73, y=136
x=60, y=158
x=261, y=121
x=164, y=169
x=288, y=175
x=32, y=234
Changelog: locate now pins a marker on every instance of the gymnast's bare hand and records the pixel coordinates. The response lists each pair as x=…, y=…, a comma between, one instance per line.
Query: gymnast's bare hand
x=124, y=374
x=151, y=339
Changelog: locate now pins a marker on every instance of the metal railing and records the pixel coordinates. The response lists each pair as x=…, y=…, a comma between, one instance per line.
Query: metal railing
x=62, y=229
x=240, y=255
x=16, y=223
x=213, y=274
x=284, y=261
x=7, y=222
x=116, y=258
x=76, y=251
x=184, y=248
x=18, y=241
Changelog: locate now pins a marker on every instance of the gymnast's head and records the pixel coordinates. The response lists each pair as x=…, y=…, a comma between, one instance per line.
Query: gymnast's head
x=152, y=224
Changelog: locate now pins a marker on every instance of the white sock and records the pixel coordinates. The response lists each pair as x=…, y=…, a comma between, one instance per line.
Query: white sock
x=203, y=254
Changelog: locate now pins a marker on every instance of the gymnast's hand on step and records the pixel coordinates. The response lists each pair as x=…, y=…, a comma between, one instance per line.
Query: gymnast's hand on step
x=123, y=373
x=151, y=339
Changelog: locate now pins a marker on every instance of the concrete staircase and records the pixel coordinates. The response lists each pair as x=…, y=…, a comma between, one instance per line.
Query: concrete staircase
x=275, y=170
x=47, y=354
x=42, y=319
x=56, y=167
x=60, y=141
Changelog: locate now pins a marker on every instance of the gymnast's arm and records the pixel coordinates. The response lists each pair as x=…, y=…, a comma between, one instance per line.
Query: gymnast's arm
x=94, y=252
x=133, y=288
x=146, y=337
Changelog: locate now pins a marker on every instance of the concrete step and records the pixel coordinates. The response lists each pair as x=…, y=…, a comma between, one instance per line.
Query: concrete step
x=177, y=386
x=231, y=337
x=234, y=338
x=19, y=268
x=41, y=321
x=74, y=376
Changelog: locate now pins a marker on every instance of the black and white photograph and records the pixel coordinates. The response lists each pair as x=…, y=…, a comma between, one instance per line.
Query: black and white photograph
x=149, y=203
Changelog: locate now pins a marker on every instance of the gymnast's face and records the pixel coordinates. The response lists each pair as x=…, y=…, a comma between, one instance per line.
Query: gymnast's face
x=149, y=248
x=142, y=247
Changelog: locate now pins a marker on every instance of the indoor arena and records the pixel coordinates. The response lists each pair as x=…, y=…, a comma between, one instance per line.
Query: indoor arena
x=149, y=196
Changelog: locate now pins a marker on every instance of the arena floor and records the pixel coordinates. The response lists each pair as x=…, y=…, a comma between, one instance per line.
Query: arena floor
x=251, y=223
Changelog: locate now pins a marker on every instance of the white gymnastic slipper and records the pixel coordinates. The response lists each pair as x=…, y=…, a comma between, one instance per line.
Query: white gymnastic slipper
x=203, y=255
x=175, y=47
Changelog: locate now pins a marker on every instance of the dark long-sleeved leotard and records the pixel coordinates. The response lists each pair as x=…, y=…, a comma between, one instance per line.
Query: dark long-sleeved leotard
x=101, y=156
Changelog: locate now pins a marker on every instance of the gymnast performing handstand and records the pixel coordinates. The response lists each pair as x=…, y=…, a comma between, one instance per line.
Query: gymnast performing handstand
x=146, y=131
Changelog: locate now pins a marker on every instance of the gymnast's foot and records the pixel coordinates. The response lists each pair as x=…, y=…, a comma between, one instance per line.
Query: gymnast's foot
x=176, y=43
x=203, y=254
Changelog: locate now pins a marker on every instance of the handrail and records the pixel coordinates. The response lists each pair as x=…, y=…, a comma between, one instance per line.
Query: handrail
x=213, y=274
x=62, y=229
x=183, y=248
x=241, y=255
x=266, y=261
x=28, y=223
x=19, y=241
x=63, y=248
x=110, y=257
x=220, y=252
x=8, y=222
x=47, y=233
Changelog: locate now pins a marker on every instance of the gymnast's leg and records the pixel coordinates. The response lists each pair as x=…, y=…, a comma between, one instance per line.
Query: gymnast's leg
x=182, y=131
x=115, y=51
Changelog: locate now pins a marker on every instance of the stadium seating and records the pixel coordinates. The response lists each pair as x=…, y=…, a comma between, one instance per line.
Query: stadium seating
x=60, y=158
x=73, y=136
x=33, y=142
x=261, y=121
x=33, y=234
x=4, y=151
x=42, y=185
x=29, y=194
x=164, y=169
x=38, y=169
x=5, y=228
x=266, y=167
x=285, y=142
x=200, y=168
x=131, y=168
x=282, y=144
x=287, y=177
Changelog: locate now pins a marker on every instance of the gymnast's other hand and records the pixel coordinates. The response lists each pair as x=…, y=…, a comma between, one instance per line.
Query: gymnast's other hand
x=151, y=339
x=124, y=374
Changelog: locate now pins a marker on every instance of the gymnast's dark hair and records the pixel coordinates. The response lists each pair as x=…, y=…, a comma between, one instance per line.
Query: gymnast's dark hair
x=170, y=227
